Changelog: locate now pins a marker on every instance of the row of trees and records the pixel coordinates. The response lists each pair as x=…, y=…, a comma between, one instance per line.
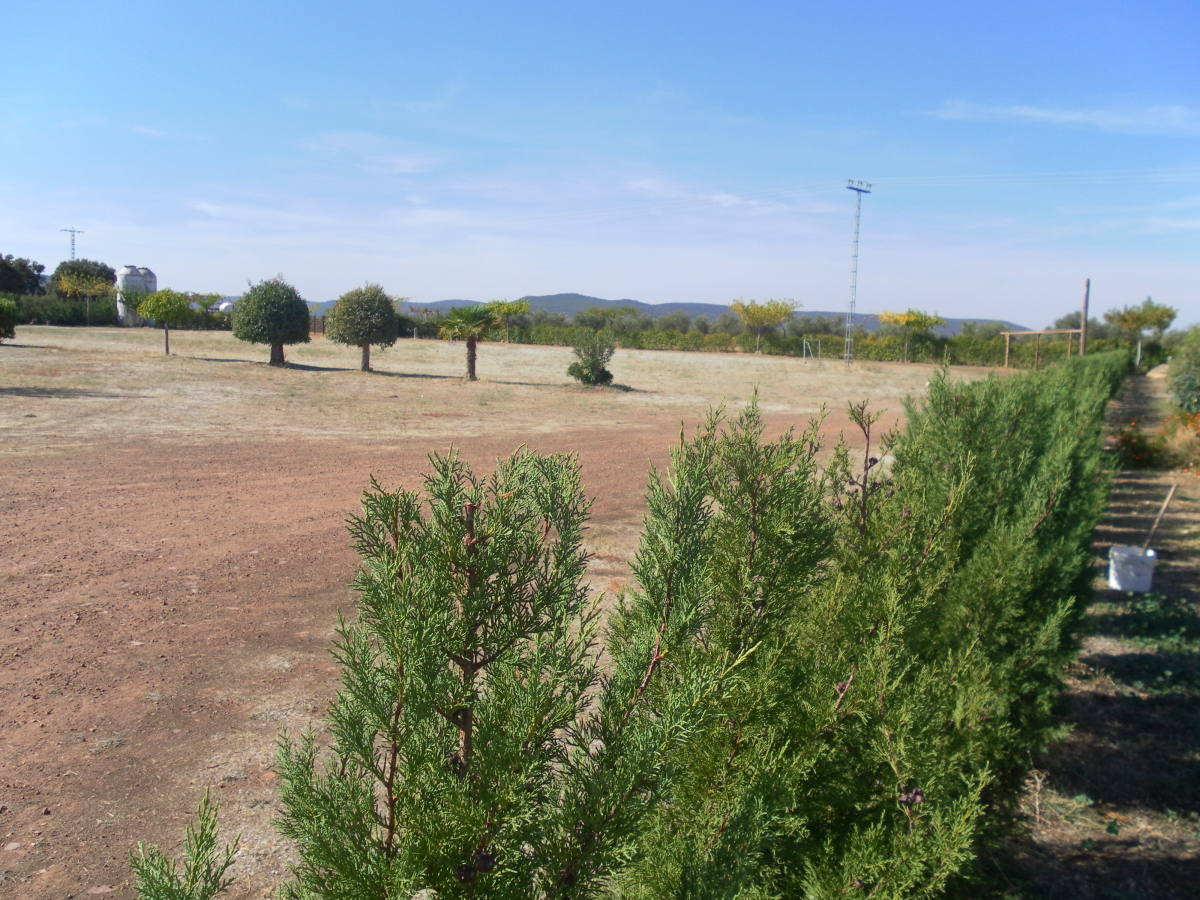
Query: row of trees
x=368, y=317
x=274, y=313
x=829, y=681
x=76, y=277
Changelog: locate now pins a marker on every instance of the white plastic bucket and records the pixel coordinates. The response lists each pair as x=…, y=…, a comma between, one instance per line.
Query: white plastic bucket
x=1129, y=569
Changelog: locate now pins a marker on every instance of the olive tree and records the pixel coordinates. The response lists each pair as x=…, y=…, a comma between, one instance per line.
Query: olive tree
x=361, y=318
x=166, y=308
x=272, y=312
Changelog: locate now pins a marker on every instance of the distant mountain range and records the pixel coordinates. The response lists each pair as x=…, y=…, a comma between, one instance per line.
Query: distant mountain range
x=570, y=304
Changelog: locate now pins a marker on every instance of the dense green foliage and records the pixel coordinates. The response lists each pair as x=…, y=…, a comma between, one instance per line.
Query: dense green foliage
x=20, y=276
x=1185, y=379
x=987, y=349
x=826, y=682
x=593, y=352
x=363, y=317
x=472, y=751
x=272, y=312
x=54, y=309
x=82, y=270
x=8, y=318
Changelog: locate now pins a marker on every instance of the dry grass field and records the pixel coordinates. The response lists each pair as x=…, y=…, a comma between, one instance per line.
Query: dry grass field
x=172, y=549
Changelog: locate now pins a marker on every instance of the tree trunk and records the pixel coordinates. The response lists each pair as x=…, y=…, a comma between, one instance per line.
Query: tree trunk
x=471, y=359
x=366, y=357
x=758, y=342
x=277, y=354
x=1139, y=354
x=166, y=339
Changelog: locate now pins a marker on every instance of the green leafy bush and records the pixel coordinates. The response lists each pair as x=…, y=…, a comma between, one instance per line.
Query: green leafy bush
x=1185, y=380
x=8, y=318
x=593, y=352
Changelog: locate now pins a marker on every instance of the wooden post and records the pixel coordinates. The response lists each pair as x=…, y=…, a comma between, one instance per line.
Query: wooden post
x=1070, y=337
x=1007, y=343
x=1037, y=350
x=1087, y=293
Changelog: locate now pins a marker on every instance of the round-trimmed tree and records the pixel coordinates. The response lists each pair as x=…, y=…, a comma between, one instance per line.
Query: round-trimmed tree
x=272, y=312
x=363, y=317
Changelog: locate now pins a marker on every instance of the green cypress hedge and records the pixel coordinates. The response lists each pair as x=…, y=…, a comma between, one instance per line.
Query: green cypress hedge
x=827, y=683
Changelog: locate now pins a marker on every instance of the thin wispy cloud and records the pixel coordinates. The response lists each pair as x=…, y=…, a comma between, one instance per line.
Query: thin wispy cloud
x=1164, y=224
x=1163, y=119
x=375, y=154
x=441, y=101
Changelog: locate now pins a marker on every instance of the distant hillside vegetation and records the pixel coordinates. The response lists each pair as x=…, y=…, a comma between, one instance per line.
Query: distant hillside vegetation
x=570, y=304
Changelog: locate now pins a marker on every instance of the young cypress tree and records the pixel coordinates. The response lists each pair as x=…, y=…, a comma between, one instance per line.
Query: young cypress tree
x=475, y=748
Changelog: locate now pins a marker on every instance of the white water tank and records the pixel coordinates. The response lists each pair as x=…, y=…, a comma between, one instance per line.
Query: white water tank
x=132, y=280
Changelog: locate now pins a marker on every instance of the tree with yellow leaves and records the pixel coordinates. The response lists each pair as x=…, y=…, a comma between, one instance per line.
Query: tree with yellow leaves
x=759, y=317
x=913, y=322
x=86, y=287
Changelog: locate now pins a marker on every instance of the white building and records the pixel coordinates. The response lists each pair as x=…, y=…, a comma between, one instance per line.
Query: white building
x=132, y=281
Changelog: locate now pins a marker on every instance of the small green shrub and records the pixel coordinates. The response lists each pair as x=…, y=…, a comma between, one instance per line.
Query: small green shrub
x=204, y=866
x=8, y=318
x=593, y=352
x=1159, y=617
x=1185, y=380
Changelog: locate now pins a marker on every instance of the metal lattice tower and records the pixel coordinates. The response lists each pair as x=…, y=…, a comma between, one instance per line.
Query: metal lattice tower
x=859, y=188
x=72, y=232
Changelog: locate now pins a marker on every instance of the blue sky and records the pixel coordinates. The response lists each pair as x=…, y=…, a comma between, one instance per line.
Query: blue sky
x=660, y=151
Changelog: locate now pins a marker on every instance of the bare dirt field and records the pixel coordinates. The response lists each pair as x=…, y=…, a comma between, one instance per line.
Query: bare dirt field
x=173, y=556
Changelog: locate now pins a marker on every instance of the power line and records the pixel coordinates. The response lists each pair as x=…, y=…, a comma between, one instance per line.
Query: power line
x=859, y=188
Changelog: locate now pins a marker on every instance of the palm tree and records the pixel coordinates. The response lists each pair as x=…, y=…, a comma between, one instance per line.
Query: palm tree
x=468, y=323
